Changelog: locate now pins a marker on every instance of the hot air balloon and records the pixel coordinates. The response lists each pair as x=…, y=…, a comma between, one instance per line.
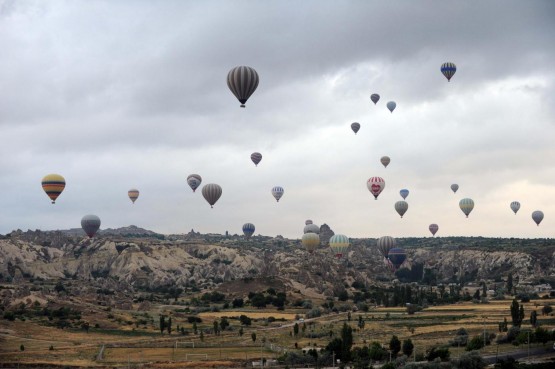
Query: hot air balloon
x=375, y=186
x=310, y=241
x=277, y=192
x=355, y=127
x=385, y=160
x=90, y=224
x=391, y=106
x=537, y=216
x=242, y=81
x=466, y=206
x=194, y=180
x=53, y=185
x=311, y=228
x=433, y=228
x=454, y=187
x=248, y=230
x=307, y=222
x=385, y=243
x=211, y=193
x=401, y=207
x=133, y=194
x=256, y=157
x=339, y=244
x=404, y=193
x=515, y=205
x=375, y=98
x=397, y=256
x=448, y=70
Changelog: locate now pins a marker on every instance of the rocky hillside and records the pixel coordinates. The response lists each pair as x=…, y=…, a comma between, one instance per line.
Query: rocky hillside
x=144, y=261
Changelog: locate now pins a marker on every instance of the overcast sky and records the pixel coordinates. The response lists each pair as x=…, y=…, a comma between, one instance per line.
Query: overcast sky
x=116, y=95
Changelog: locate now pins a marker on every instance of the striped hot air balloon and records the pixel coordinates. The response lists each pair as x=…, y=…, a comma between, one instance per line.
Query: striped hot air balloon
x=339, y=244
x=433, y=228
x=515, y=205
x=401, y=207
x=242, y=81
x=133, y=194
x=537, y=216
x=355, y=127
x=385, y=243
x=404, y=193
x=194, y=180
x=211, y=193
x=248, y=230
x=53, y=185
x=448, y=70
x=375, y=186
x=90, y=224
x=310, y=241
x=391, y=105
x=375, y=98
x=277, y=192
x=385, y=160
x=466, y=206
x=256, y=157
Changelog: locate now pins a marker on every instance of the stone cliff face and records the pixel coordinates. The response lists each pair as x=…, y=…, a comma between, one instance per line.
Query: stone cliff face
x=141, y=263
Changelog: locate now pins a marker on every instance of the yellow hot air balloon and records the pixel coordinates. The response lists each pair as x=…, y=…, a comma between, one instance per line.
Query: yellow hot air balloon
x=339, y=244
x=310, y=241
x=53, y=185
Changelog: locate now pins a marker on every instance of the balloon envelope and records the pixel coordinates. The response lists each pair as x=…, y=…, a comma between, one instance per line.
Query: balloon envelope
x=375, y=186
x=133, y=194
x=90, y=224
x=454, y=187
x=375, y=98
x=256, y=157
x=466, y=206
x=355, y=127
x=53, y=185
x=307, y=222
x=385, y=160
x=339, y=244
x=448, y=70
x=311, y=228
x=242, y=81
x=248, y=230
x=194, y=180
x=515, y=205
x=404, y=193
x=310, y=241
x=391, y=106
x=401, y=207
x=397, y=256
x=433, y=228
x=537, y=216
x=277, y=192
x=211, y=193
x=385, y=243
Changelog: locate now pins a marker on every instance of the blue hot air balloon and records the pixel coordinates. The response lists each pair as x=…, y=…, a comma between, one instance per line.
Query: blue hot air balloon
x=404, y=193
x=448, y=70
x=397, y=256
x=391, y=106
x=248, y=230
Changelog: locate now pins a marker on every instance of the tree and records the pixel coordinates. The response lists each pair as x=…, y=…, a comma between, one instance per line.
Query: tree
x=241, y=332
x=22, y=348
x=195, y=329
x=510, y=283
x=245, y=320
x=521, y=313
x=202, y=336
x=253, y=336
x=515, y=313
x=361, y=322
x=408, y=347
x=438, y=352
x=224, y=323
x=170, y=325
x=347, y=340
x=541, y=335
x=162, y=324
x=59, y=287
x=394, y=345
x=216, y=327
x=296, y=329
x=547, y=309
x=476, y=295
x=238, y=303
x=476, y=343
x=533, y=318
x=470, y=360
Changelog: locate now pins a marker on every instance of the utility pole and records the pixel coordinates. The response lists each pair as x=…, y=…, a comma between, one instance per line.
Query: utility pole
x=333, y=359
x=528, y=345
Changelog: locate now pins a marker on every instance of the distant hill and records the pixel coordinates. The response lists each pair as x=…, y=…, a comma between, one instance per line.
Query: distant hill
x=129, y=231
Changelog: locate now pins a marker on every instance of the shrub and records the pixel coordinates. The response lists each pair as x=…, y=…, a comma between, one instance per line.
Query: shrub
x=476, y=343
x=438, y=352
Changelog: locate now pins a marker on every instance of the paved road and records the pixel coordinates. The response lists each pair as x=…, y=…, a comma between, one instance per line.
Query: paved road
x=520, y=354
